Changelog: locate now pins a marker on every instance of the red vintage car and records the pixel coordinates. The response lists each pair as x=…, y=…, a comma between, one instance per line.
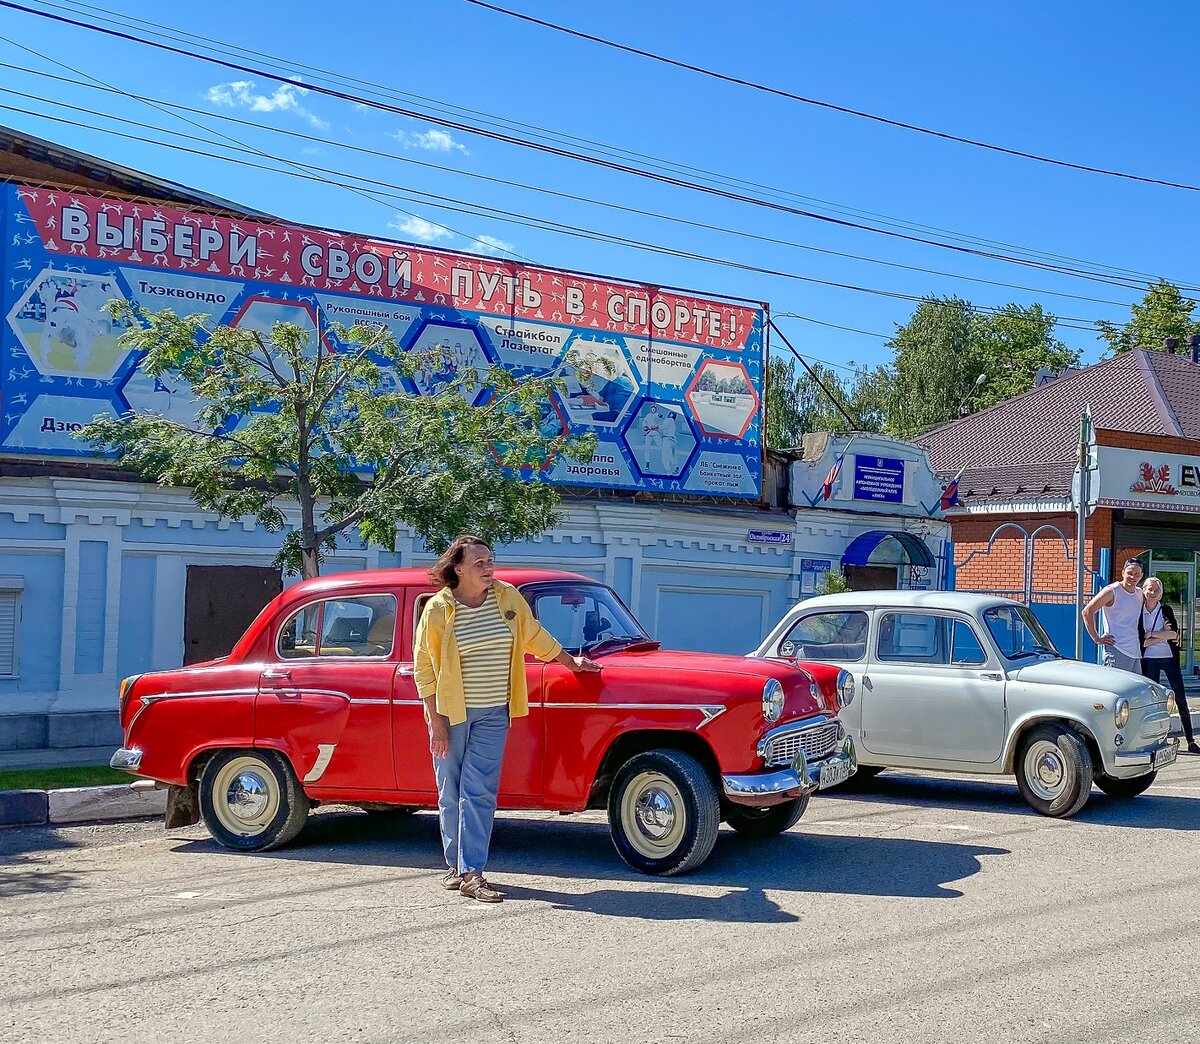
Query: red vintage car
x=316, y=705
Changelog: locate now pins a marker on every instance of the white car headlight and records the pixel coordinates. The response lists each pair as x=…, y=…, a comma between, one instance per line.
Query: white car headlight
x=845, y=688
x=1121, y=713
x=772, y=701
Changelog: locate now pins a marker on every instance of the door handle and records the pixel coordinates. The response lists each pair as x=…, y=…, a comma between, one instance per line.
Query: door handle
x=867, y=682
x=405, y=672
x=991, y=675
x=276, y=673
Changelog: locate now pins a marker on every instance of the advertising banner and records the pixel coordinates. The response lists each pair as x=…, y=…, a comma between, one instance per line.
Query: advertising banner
x=670, y=384
x=1149, y=480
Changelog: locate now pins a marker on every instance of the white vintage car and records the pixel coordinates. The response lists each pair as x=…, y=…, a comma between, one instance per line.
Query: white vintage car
x=959, y=682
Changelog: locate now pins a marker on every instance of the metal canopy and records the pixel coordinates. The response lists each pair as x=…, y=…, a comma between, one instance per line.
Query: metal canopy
x=858, y=552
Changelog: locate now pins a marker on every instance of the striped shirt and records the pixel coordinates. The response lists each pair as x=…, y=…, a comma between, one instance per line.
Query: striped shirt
x=485, y=648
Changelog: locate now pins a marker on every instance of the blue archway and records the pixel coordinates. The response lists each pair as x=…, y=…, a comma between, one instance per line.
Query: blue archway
x=859, y=550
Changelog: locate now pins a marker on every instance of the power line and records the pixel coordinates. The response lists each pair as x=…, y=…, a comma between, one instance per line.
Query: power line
x=854, y=425
x=319, y=174
x=362, y=150
x=291, y=67
x=573, y=154
x=780, y=93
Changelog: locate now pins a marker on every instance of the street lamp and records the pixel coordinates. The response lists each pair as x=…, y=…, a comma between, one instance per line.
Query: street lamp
x=962, y=406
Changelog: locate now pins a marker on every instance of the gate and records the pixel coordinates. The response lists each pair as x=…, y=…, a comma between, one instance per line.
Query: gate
x=1056, y=609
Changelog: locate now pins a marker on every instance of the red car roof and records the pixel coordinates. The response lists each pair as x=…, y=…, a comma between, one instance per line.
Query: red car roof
x=418, y=577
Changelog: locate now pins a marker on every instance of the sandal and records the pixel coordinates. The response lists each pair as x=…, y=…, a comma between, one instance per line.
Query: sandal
x=477, y=887
x=452, y=881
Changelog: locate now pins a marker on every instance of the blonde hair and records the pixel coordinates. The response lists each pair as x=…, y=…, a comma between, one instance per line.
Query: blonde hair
x=1152, y=580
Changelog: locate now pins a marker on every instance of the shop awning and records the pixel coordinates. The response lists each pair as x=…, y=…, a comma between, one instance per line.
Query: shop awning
x=859, y=550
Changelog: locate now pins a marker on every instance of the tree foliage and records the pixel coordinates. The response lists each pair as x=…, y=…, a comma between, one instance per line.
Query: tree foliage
x=283, y=423
x=1163, y=312
x=947, y=360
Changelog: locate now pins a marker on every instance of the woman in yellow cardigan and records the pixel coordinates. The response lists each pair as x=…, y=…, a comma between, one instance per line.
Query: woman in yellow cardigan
x=470, y=670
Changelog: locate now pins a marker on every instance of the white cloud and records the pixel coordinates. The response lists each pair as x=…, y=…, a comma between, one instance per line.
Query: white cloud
x=360, y=107
x=490, y=245
x=418, y=228
x=285, y=98
x=431, y=141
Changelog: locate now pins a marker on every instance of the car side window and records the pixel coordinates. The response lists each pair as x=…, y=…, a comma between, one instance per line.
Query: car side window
x=913, y=638
x=967, y=650
x=364, y=625
x=836, y=636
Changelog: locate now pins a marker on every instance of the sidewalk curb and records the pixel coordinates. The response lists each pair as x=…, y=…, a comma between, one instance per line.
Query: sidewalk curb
x=79, y=805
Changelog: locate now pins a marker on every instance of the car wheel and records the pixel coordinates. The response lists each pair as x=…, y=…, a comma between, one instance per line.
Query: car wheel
x=251, y=800
x=766, y=822
x=663, y=812
x=1125, y=788
x=1054, y=771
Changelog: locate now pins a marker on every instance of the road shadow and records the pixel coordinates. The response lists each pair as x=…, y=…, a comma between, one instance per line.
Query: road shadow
x=1149, y=811
x=20, y=873
x=582, y=850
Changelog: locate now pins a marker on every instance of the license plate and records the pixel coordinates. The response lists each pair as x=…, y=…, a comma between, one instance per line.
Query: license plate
x=833, y=773
x=1161, y=757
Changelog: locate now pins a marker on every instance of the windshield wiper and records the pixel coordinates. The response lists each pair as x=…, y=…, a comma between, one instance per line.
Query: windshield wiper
x=619, y=641
x=1041, y=650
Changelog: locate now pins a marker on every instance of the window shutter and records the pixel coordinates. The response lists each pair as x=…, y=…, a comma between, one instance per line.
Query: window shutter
x=8, y=633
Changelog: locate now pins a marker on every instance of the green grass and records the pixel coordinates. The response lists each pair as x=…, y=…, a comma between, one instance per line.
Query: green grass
x=54, y=778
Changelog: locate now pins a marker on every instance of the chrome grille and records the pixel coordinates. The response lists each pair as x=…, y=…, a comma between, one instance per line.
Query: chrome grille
x=817, y=742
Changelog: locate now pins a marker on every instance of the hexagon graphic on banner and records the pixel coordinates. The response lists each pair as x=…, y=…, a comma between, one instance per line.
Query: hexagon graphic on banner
x=260, y=314
x=63, y=324
x=167, y=396
x=660, y=439
x=552, y=425
x=451, y=353
x=534, y=346
x=722, y=399
x=51, y=420
x=601, y=388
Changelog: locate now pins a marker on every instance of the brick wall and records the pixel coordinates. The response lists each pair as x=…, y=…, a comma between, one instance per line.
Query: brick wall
x=1003, y=568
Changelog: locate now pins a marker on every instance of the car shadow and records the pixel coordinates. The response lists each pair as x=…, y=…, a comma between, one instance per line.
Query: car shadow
x=582, y=851
x=21, y=872
x=1149, y=811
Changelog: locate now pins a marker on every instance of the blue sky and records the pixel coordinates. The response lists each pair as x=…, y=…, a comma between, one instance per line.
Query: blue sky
x=1106, y=84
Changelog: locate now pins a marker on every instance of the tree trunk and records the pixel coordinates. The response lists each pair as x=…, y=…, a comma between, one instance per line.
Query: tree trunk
x=309, y=562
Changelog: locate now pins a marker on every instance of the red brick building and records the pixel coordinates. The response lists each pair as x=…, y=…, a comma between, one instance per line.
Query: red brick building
x=1014, y=528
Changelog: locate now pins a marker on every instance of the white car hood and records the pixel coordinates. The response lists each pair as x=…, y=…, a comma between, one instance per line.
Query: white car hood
x=1080, y=675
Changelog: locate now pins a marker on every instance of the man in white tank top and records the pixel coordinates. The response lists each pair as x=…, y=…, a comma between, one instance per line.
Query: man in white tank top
x=1120, y=606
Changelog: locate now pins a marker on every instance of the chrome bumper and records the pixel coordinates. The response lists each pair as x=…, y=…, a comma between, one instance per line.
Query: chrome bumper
x=762, y=789
x=1128, y=766
x=128, y=759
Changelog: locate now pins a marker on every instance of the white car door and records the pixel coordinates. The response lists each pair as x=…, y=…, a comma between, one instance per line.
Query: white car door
x=931, y=691
x=837, y=636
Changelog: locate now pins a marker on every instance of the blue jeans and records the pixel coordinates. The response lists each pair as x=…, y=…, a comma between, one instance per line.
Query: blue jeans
x=468, y=780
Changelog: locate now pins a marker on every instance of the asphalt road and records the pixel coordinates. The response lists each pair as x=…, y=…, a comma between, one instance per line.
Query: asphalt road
x=922, y=910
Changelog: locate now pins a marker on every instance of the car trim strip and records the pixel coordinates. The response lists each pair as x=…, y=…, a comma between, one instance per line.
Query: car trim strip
x=324, y=756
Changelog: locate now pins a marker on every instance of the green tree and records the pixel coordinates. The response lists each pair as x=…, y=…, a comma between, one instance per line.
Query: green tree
x=950, y=359
x=934, y=366
x=798, y=404
x=1164, y=312
x=281, y=422
x=1012, y=346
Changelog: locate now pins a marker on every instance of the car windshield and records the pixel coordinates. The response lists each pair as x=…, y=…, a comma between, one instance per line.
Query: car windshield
x=584, y=617
x=1017, y=632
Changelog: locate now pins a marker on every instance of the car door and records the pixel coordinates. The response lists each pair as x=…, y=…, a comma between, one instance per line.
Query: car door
x=326, y=692
x=931, y=692
x=521, y=773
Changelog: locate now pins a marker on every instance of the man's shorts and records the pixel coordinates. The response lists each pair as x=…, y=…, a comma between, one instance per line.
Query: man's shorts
x=1116, y=658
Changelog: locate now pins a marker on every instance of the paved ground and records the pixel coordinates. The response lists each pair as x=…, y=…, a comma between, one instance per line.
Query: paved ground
x=925, y=910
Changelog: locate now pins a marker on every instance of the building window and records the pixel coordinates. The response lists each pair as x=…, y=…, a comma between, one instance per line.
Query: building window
x=10, y=624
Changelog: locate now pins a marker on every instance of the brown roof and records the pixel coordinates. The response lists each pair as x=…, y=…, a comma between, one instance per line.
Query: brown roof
x=1025, y=447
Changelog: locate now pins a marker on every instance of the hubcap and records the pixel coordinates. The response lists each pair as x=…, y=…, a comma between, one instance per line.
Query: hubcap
x=1045, y=770
x=653, y=814
x=245, y=796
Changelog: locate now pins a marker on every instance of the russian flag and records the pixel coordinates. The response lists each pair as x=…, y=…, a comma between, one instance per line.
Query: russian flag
x=832, y=477
x=950, y=493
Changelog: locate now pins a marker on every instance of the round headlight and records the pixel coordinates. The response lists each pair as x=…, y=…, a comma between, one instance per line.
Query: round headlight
x=845, y=688
x=772, y=701
x=1172, y=706
x=1121, y=713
